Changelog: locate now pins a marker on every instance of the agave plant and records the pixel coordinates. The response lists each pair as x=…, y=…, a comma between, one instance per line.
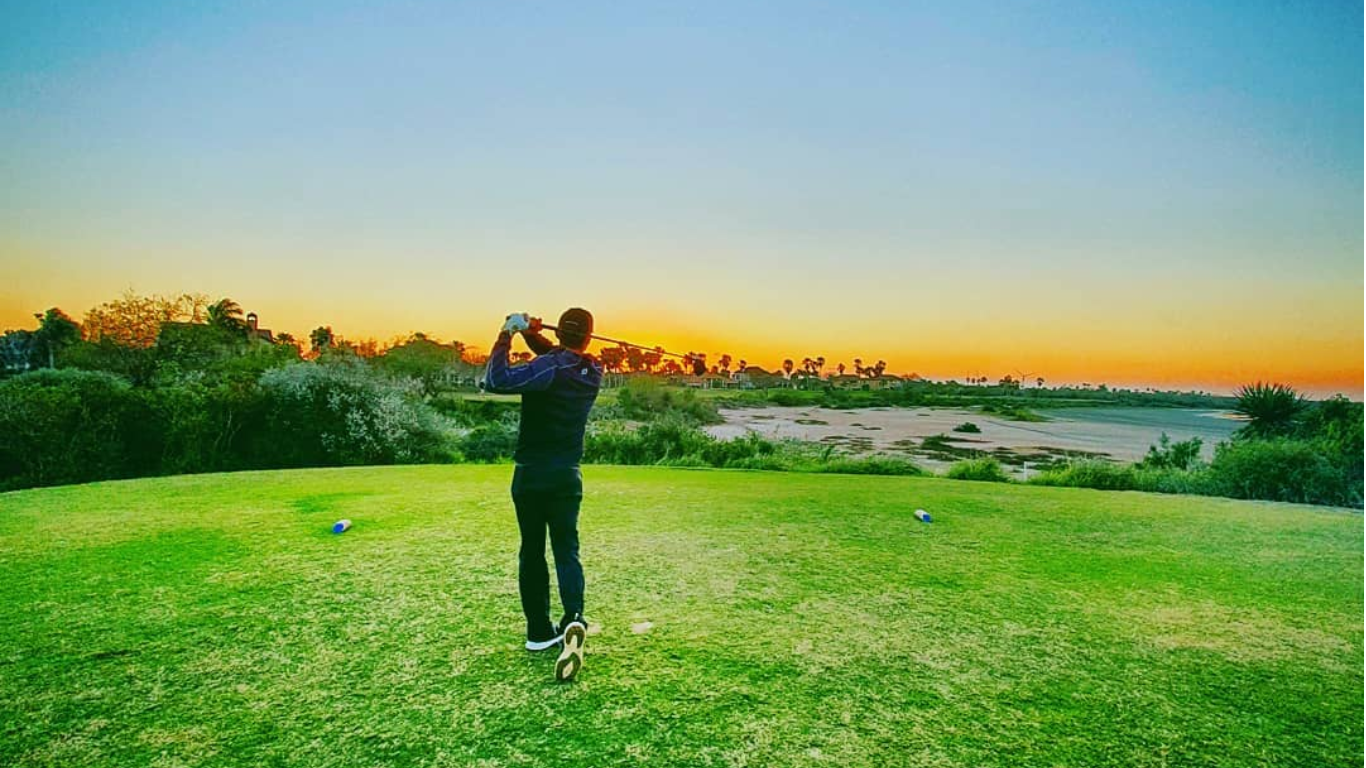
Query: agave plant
x=1270, y=409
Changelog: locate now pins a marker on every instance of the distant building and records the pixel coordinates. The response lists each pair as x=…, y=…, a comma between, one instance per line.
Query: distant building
x=708, y=380
x=754, y=377
x=885, y=381
x=255, y=332
x=712, y=380
x=845, y=381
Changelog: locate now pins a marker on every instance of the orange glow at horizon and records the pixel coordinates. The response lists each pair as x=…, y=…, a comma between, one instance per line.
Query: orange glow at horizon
x=1113, y=354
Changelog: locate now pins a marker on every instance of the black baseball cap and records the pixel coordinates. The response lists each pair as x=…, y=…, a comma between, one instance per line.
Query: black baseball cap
x=575, y=324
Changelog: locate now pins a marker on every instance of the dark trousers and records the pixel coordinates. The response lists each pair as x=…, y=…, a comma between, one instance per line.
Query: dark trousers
x=547, y=498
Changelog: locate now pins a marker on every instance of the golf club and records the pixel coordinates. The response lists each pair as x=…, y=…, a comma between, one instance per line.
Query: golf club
x=699, y=366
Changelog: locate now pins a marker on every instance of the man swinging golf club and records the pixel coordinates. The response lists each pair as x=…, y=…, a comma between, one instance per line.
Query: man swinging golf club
x=558, y=388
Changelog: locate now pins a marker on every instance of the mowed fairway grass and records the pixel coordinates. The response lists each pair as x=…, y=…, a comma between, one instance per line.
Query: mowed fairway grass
x=740, y=619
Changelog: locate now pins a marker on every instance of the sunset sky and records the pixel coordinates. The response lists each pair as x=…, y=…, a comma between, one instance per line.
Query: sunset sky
x=1133, y=193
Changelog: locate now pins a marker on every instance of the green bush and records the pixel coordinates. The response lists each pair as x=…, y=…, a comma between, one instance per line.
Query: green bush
x=1194, y=481
x=968, y=427
x=643, y=400
x=673, y=443
x=1280, y=469
x=985, y=469
x=741, y=451
x=490, y=442
x=468, y=412
x=1168, y=455
x=1335, y=428
x=768, y=463
x=136, y=364
x=202, y=427
x=71, y=426
x=1101, y=475
x=687, y=462
x=652, y=443
x=338, y=414
x=789, y=397
x=867, y=465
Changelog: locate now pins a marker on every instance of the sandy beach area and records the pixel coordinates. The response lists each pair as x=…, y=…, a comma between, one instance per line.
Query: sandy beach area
x=1118, y=434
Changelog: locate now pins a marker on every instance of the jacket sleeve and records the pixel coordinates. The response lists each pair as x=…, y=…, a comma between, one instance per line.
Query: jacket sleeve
x=503, y=379
x=538, y=343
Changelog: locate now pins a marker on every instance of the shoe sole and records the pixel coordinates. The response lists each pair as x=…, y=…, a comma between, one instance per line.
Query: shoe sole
x=544, y=645
x=571, y=658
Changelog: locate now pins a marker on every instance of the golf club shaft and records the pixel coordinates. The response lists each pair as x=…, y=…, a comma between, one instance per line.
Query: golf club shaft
x=627, y=344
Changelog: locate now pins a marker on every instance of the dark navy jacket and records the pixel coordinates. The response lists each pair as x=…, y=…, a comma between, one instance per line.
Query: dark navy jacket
x=558, y=388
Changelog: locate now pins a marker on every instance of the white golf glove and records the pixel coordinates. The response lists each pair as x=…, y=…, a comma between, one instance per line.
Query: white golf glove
x=517, y=322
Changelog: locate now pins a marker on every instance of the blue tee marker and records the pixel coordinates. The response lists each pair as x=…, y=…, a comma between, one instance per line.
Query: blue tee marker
x=922, y=516
x=340, y=526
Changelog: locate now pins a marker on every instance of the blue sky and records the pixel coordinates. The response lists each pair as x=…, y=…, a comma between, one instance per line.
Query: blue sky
x=1113, y=188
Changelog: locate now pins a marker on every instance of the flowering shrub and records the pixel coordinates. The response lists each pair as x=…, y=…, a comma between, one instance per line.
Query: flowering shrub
x=342, y=414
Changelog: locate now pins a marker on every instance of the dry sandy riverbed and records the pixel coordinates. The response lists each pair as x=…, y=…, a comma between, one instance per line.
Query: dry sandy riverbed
x=1119, y=434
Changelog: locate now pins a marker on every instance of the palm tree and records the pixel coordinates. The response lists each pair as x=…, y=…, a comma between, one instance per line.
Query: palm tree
x=1039, y=382
x=878, y=368
x=1271, y=409
x=724, y=362
x=820, y=365
x=653, y=358
x=840, y=368
x=787, y=367
x=320, y=337
x=612, y=358
x=227, y=314
x=858, y=367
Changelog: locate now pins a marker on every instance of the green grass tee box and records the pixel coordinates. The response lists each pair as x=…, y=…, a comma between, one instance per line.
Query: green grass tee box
x=738, y=619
